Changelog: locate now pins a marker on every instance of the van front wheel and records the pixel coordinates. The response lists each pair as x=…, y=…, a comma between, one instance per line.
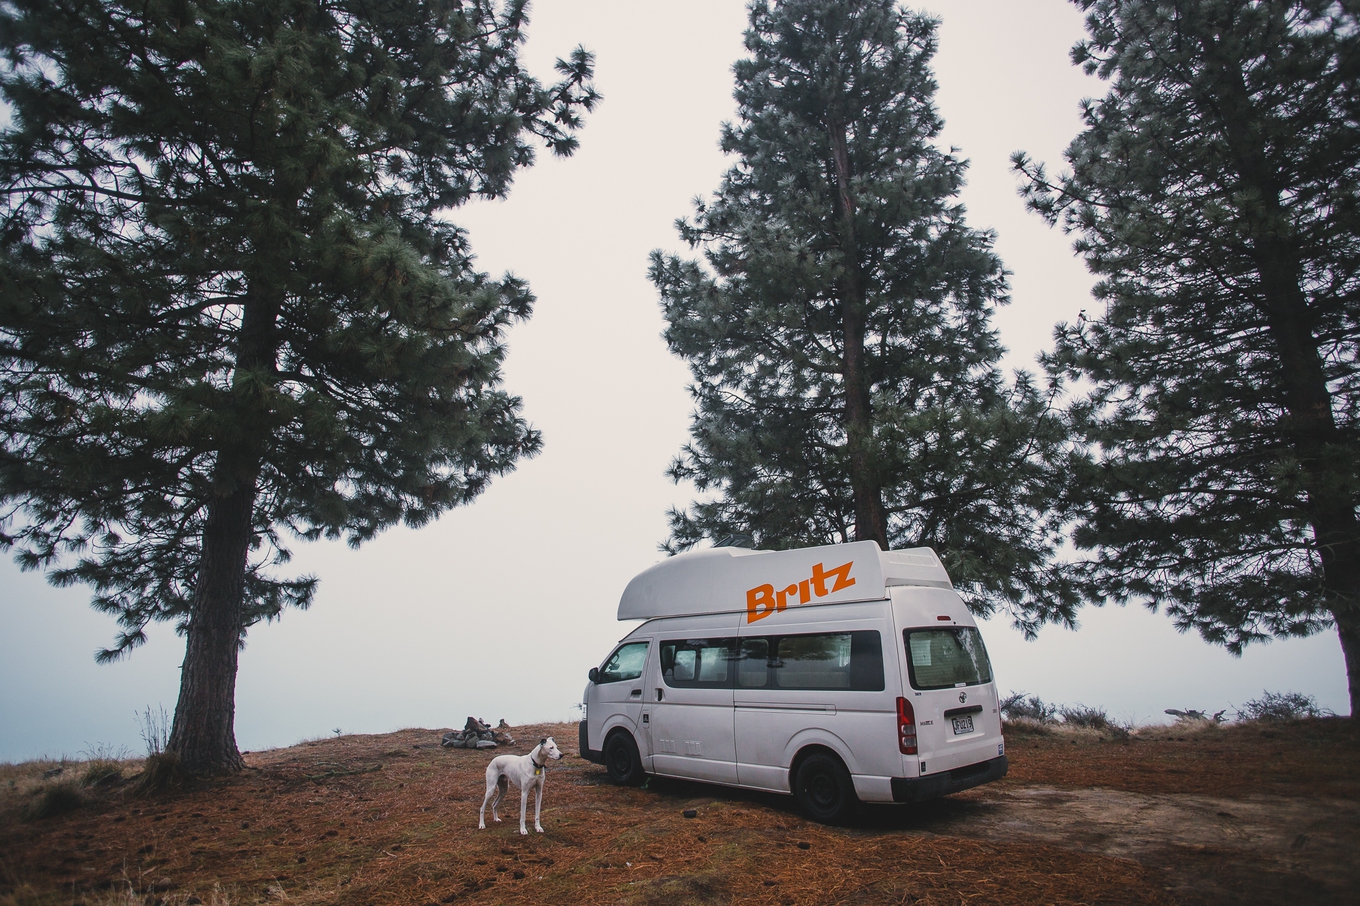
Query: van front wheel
x=621, y=759
x=824, y=789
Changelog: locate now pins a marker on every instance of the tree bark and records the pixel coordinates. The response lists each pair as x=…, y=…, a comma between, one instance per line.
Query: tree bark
x=870, y=519
x=1348, y=630
x=203, y=735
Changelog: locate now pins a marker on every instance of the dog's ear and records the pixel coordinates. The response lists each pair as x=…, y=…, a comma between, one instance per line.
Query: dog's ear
x=543, y=741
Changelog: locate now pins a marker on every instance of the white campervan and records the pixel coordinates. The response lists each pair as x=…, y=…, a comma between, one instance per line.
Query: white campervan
x=839, y=674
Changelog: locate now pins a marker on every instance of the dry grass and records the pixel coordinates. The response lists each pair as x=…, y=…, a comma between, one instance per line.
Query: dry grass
x=47, y=788
x=1312, y=758
x=392, y=819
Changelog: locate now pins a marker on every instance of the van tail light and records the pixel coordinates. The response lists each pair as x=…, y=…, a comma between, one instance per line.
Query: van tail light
x=906, y=727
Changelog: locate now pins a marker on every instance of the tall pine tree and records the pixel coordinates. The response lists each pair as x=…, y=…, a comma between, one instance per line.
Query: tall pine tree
x=838, y=326
x=1216, y=192
x=233, y=311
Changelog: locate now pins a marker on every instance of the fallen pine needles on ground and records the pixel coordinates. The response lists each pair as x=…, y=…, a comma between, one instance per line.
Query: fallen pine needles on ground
x=392, y=819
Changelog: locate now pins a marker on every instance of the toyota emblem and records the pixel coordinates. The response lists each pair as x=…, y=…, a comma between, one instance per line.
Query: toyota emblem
x=963, y=697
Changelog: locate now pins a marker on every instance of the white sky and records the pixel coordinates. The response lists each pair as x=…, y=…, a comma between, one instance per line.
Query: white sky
x=499, y=609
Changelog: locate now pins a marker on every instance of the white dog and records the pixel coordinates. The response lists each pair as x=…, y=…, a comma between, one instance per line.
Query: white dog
x=528, y=772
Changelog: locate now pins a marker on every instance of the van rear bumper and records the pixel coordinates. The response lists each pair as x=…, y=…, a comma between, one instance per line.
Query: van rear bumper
x=583, y=743
x=919, y=789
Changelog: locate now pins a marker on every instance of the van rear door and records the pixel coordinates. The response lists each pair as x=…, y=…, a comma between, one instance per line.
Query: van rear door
x=957, y=718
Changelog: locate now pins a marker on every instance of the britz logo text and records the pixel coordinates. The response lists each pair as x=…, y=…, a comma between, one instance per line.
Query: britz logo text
x=763, y=600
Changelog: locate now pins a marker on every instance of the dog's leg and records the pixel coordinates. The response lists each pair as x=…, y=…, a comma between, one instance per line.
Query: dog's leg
x=523, y=805
x=538, y=801
x=502, y=787
x=491, y=787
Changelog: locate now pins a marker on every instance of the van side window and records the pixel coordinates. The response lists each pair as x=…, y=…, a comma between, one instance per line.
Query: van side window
x=752, y=666
x=840, y=660
x=941, y=658
x=624, y=664
x=824, y=660
x=697, y=663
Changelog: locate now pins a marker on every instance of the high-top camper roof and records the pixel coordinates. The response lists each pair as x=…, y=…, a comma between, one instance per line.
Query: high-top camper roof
x=730, y=579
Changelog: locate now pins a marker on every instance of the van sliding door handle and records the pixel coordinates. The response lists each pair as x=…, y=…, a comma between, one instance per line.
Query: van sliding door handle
x=659, y=695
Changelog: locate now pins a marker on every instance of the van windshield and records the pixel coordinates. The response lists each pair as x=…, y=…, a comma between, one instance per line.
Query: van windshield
x=941, y=658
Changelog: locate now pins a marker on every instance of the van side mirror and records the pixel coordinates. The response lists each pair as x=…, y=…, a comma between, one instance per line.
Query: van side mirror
x=594, y=674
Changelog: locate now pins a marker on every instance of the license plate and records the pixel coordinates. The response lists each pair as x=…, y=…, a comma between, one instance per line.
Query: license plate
x=963, y=725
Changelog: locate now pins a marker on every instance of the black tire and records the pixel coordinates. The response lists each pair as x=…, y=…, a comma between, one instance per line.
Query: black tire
x=824, y=789
x=621, y=759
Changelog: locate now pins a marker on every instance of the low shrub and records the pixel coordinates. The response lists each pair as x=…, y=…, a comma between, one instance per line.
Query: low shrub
x=103, y=766
x=160, y=773
x=1019, y=706
x=102, y=773
x=1281, y=706
x=1084, y=716
x=53, y=799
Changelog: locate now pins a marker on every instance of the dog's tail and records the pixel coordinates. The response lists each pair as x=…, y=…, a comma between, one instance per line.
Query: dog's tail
x=504, y=783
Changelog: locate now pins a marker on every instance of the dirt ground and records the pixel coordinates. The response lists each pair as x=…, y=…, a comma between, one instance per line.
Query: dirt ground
x=1252, y=814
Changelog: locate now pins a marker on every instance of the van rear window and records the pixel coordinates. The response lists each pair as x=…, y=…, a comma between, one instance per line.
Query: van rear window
x=941, y=658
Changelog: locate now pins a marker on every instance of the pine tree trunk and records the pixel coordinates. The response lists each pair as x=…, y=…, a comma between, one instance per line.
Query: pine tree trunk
x=870, y=518
x=203, y=735
x=1313, y=436
x=1348, y=630
x=1310, y=428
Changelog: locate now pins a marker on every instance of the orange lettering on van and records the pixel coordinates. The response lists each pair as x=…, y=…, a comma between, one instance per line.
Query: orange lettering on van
x=759, y=603
x=764, y=600
x=842, y=574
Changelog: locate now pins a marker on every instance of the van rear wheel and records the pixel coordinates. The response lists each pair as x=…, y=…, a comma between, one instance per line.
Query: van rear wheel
x=824, y=789
x=621, y=759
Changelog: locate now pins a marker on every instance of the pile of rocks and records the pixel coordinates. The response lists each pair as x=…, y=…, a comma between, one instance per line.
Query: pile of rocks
x=477, y=734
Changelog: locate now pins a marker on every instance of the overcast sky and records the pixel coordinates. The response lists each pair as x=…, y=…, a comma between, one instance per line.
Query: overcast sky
x=500, y=608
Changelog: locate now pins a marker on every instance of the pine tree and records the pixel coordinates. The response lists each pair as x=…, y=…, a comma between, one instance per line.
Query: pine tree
x=838, y=327
x=233, y=312
x=1214, y=191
